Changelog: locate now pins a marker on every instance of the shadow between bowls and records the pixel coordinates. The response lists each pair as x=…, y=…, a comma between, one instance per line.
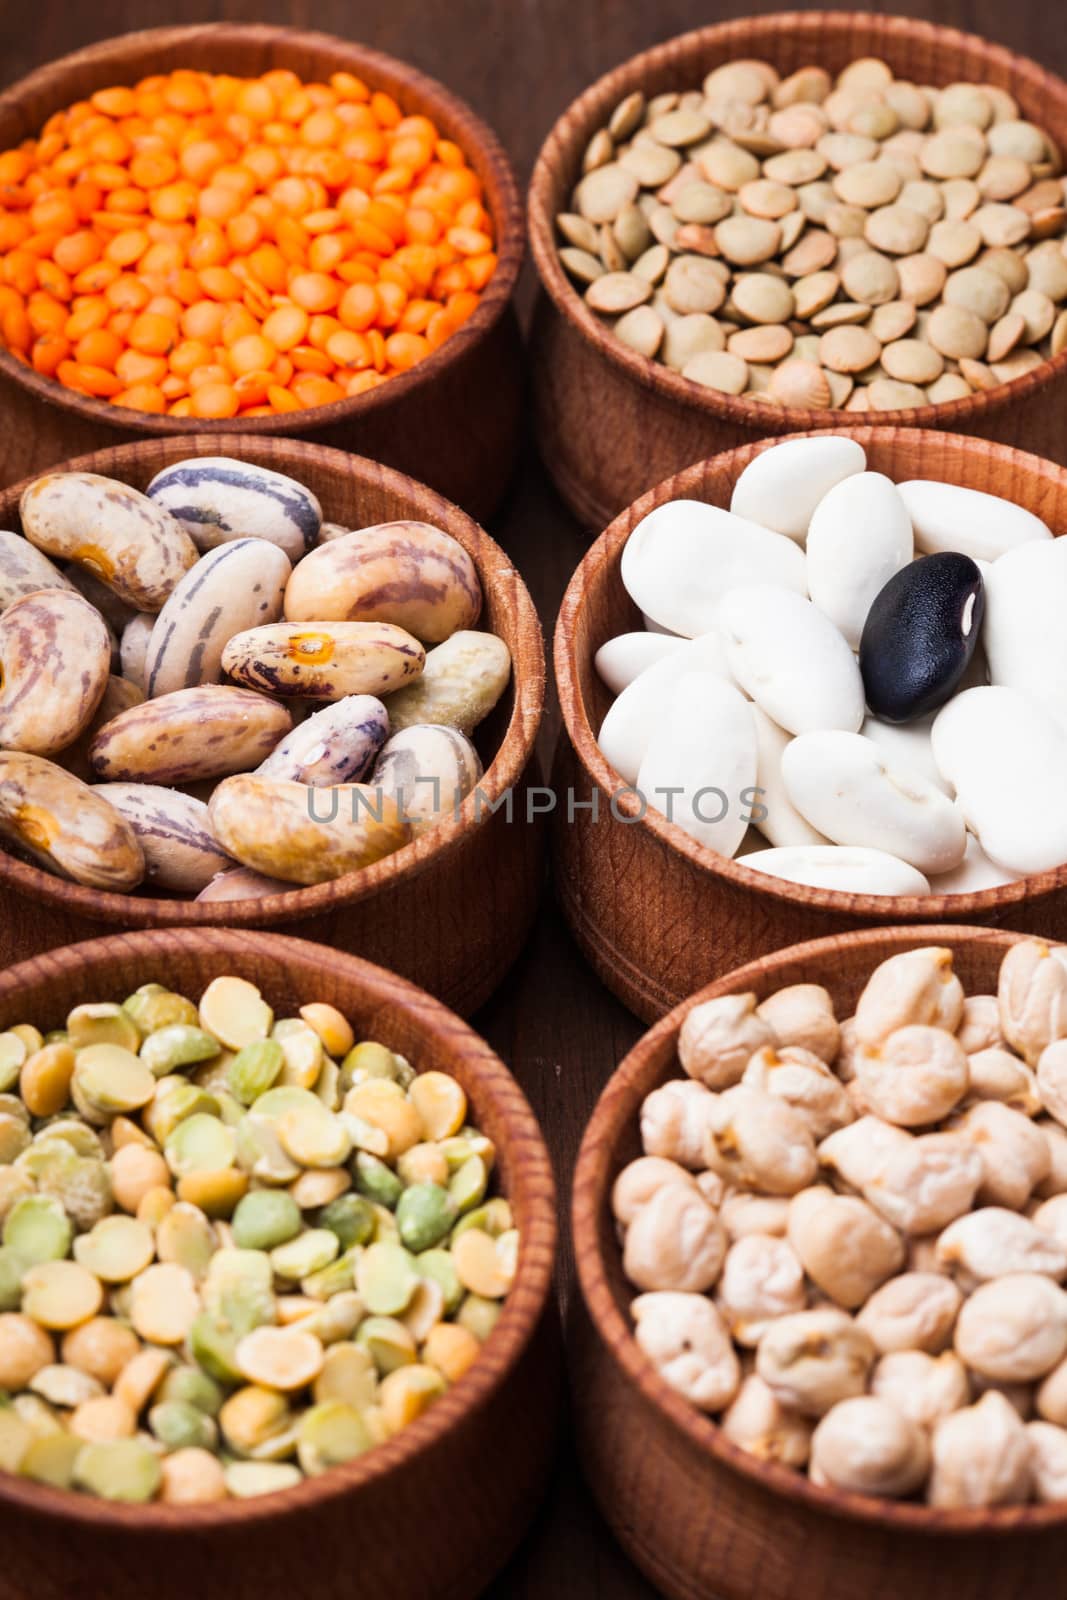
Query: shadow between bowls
x=435, y=1511
x=452, y=421
x=611, y=422
x=450, y=910
x=699, y=1515
x=659, y=915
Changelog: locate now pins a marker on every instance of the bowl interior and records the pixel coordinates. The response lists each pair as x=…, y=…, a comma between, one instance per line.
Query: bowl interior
x=380, y=1006
x=596, y=607
x=612, y=1139
x=248, y=50
x=920, y=52
x=356, y=493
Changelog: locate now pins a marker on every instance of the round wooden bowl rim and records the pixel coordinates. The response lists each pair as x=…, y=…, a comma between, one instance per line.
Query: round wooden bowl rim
x=504, y=772
x=477, y=137
x=618, y=1106
x=606, y=552
x=522, y=1309
x=747, y=34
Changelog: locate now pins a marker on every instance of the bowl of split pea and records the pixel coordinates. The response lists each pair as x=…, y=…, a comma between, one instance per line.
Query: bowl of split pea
x=277, y=1243
x=247, y=226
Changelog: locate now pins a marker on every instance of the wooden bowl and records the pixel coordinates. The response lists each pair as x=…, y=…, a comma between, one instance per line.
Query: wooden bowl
x=452, y=421
x=451, y=910
x=659, y=915
x=611, y=422
x=701, y=1516
x=431, y=1514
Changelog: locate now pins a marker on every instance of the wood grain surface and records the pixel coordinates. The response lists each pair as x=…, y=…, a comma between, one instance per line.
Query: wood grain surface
x=519, y=65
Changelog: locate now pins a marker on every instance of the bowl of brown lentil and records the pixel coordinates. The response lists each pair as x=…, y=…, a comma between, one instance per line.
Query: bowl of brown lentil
x=247, y=96
x=425, y=1499
x=835, y=213
x=708, y=1505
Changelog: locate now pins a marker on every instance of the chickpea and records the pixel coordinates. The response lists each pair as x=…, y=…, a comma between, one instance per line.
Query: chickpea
x=996, y=1074
x=25, y=1348
x=1051, y=1217
x=685, y=1338
x=845, y=1062
x=867, y=1445
x=761, y=1279
x=1055, y=1180
x=802, y=1016
x=917, y=987
x=923, y=1187
x=1015, y=1153
x=757, y=1141
x=1048, y=1460
x=759, y=1422
x=857, y=1152
x=1032, y=997
x=1013, y=1329
x=1020, y=1396
x=674, y=1242
x=846, y=1249
x=921, y=1386
x=192, y=1477
x=674, y=1122
x=992, y=1242
x=916, y=1311
x=804, y=1082
x=1050, y=1401
x=744, y=1213
x=922, y=1254
x=712, y=1188
x=717, y=1039
x=979, y=1026
x=639, y=1181
x=814, y=1359
x=980, y=1456
x=1052, y=1079
x=914, y=1077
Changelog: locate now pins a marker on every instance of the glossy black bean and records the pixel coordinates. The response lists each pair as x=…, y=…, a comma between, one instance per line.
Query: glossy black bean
x=920, y=635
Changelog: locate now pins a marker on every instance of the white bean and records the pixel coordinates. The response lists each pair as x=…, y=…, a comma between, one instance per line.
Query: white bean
x=769, y=631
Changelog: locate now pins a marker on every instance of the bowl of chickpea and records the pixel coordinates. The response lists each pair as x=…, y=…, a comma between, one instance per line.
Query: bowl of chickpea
x=239, y=226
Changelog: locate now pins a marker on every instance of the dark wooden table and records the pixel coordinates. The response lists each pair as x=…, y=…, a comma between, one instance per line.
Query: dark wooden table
x=519, y=63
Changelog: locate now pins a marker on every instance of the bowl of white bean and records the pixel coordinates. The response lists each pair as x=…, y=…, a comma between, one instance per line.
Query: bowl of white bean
x=768, y=224
x=819, y=1226
x=775, y=767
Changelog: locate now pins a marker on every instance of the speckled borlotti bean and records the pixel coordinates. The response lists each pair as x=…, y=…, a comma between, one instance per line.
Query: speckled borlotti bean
x=24, y=570
x=237, y=586
x=241, y=883
x=181, y=852
x=65, y=825
x=334, y=745
x=462, y=681
x=409, y=573
x=133, y=647
x=300, y=834
x=216, y=499
x=191, y=734
x=132, y=545
x=428, y=770
x=324, y=660
x=119, y=695
x=55, y=658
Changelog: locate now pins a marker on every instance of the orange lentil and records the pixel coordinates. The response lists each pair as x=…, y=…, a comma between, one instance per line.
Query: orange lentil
x=205, y=245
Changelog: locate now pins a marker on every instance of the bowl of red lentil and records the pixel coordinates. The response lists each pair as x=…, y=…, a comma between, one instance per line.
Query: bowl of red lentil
x=239, y=226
